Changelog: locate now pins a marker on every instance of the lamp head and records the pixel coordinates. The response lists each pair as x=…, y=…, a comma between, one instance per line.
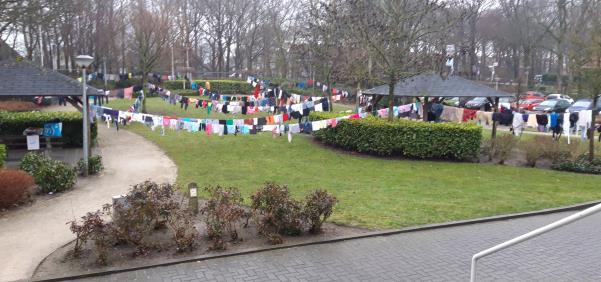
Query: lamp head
x=83, y=61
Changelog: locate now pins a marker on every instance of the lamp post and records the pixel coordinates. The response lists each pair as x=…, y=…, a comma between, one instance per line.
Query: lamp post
x=84, y=61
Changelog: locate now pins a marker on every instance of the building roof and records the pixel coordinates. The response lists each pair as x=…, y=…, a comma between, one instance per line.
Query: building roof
x=19, y=77
x=432, y=85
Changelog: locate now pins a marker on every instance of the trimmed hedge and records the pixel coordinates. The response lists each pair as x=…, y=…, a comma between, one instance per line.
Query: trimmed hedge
x=407, y=138
x=219, y=86
x=2, y=155
x=16, y=123
x=313, y=116
x=186, y=92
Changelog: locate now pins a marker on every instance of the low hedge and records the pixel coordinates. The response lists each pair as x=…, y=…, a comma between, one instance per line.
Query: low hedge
x=16, y=123
x=581, y=165
x=219, y=86
x=2, y=155
x=313, y=116
x=406, y=138
x=185, y=92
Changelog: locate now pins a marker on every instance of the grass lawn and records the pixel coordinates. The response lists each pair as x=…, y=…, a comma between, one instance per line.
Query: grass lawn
x=373, y=192
x=156, y=105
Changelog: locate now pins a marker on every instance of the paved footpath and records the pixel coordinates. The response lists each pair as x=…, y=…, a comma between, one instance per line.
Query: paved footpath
x=572, y=253
x=29, y=234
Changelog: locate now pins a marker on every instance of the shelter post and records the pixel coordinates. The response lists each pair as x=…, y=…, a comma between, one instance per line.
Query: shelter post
x=425, y=109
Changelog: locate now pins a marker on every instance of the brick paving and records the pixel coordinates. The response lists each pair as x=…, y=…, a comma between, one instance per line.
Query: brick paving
x=572, y=253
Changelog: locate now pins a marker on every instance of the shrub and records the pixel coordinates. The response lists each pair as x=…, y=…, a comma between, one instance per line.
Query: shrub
x=276, y=213
x=127, y=83
x=534, y=149
x=185, y=92
x=500, y=148
x=581, y=165
x=223, y=212
x=185, y=235
x=15, y=187
x=93, y=227
x=54, y=176
x=319, y=205
x=15, y=123
x=143, y=210
x=219, y=86
x=2, y=155
x=94, y=165
x=404, y=137
x=32, y=161
x=146, y=207
x=149, y=206
x=50, y=175
x=313, y=116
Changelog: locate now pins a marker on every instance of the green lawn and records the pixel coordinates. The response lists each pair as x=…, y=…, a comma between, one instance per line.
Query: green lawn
x=156, y=105
x=373, y=192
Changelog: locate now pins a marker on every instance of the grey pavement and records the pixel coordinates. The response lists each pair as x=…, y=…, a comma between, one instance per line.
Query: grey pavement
x=571, y=253
x=30, y=233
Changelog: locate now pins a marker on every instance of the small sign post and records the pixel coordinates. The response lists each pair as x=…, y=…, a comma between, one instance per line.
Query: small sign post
x=193, y=201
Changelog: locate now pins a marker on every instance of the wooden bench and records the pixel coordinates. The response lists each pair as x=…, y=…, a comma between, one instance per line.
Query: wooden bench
x=20, y=142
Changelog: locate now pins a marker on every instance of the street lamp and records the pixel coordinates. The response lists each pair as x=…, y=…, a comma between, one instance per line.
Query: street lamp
x=84, y=61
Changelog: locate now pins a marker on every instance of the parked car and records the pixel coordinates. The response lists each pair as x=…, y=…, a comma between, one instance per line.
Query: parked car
x=557, y=105
x=453, y=102
x=529, y=104
x=584, y=104
x=477, y=103
x=532, y=94
x=507, y=103
x=560, y=96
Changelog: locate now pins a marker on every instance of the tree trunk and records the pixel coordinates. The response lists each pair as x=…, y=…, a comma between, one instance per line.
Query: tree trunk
x=591, y=131
x=144, y=75
x=391, y=84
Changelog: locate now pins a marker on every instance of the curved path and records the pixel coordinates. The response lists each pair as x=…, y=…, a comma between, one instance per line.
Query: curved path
x=571, y=253
x=29, y=234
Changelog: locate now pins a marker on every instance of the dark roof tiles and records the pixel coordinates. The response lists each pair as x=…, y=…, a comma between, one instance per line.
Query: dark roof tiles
x=432, y=85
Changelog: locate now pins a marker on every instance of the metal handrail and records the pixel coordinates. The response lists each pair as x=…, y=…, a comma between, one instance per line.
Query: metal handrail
x=564, y=221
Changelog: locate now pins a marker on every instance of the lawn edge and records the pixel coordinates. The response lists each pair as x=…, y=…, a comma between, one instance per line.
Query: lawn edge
x=333, y=240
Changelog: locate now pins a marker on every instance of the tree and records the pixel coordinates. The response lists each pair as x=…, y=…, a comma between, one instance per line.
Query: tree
x=152, y=32
x=395, y=32
x=325, y=38
x=592, y=78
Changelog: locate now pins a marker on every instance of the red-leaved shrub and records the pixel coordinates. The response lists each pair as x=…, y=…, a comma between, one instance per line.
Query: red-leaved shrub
x=15, y=187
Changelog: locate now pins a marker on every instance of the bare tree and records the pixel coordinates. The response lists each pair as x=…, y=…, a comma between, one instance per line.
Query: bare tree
x=395, y=31
x=151, y=28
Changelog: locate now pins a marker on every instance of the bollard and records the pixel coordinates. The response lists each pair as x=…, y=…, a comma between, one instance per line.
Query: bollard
x=193, y=201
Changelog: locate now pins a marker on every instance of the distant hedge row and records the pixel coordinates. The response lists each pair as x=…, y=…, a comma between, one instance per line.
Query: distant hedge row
x=219, y=86
x=313, y=116
x=14, y=124
x=406, y=138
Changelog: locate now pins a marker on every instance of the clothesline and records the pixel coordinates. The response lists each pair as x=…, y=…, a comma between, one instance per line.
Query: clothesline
x=248, y=105
x=273, y=123
x=259, y=84
x=558, y=123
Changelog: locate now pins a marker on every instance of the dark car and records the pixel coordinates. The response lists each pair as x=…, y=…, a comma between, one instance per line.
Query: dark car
x=584, y=104
x=557, y=105
x=477, y=103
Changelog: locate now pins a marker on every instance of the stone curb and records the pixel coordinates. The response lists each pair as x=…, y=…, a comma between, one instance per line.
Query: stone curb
x=334, y=240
